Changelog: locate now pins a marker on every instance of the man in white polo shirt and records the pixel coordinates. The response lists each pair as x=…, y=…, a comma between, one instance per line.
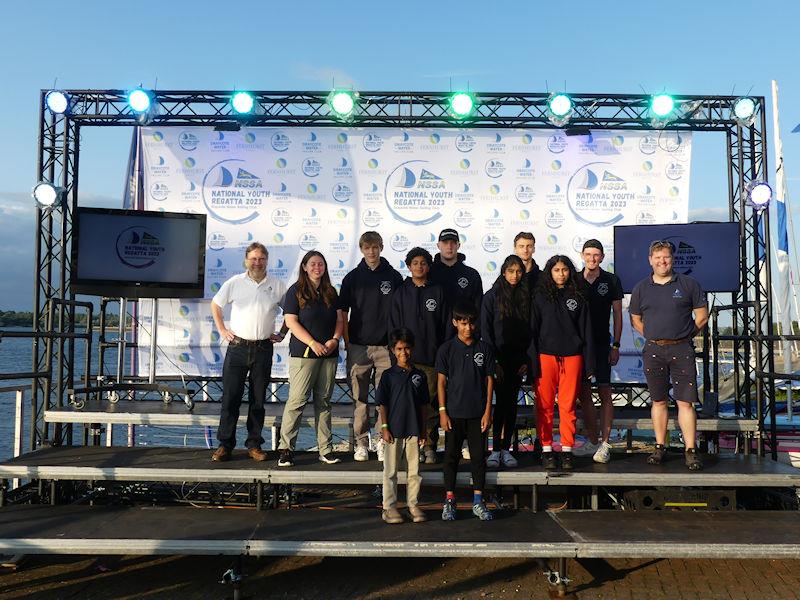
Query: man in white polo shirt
x=254, y=298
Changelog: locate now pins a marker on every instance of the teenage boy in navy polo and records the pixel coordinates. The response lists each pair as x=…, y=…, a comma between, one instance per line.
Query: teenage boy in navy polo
x=465, y=367
x=366, y=298
x=402, y=396
x=421, y=306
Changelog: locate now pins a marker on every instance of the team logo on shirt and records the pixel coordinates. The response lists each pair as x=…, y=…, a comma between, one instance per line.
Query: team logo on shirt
x=416, y=380
x=572, y=304
x=478, y=358
x=463, y=282
x=430, y=304
x=677, y=294
x=602, y=289
x=386, y=287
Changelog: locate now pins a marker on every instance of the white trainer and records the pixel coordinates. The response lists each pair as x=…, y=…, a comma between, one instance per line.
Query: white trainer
x=508, y=460
x=493, y=462
x=361, y=454
x=588, y=449
x=603, y=454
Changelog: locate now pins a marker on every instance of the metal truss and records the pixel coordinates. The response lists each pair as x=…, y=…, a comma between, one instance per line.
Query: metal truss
x=58, y=163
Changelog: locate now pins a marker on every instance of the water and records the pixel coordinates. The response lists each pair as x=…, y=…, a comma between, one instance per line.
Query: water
x=16, y=357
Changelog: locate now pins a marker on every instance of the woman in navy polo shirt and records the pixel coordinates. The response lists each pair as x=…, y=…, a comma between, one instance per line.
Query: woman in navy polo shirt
x=317, y=325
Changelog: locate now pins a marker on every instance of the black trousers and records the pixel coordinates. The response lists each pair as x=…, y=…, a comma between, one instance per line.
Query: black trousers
x=469, y=429
x=506, y=396
x=250, y=363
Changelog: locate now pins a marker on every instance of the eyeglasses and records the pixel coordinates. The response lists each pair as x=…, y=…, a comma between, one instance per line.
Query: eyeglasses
x=660, y=245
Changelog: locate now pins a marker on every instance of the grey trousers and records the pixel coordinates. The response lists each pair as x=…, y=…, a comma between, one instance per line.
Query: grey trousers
x=307, y=375
x=360, y=362
x=403, y=452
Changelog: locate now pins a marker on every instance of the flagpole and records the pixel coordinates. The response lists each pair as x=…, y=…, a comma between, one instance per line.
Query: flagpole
x=782, y=251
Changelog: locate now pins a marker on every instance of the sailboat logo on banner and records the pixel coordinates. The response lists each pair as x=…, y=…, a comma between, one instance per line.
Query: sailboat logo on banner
x=414, y=194
x=232, y=192
x=597, y=196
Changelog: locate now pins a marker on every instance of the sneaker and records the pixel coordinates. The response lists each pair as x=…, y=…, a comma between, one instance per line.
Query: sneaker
x=391, y=516
x=417, y=514
x=221, y=454
x=449, y=510
x=693, y=462
x=549, y=461
x=286, y=459
x=465, y=453
x=381, y=447
x=566, y=461
x=508, y=460
x=588, y=449
x=657, y=456
x=361, y=454
x=329, y=459
x=480, y=511
x=430, y=456
x=603, y=454
x=493, y=462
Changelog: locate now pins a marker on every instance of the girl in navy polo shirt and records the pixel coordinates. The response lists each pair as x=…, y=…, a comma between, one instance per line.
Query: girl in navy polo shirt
x=560, y=347
x=311, y=314
x=505, y=325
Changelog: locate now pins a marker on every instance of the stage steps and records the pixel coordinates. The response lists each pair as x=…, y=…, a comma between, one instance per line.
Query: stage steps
x=353, y=532
x=119, y=463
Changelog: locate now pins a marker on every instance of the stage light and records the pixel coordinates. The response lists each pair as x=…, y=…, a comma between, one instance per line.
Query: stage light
x=139, y=100
x=744, y=111
x=57, y=102
x=342, y=103
x=662, y=105
x=759, y=194
x=47, y=195
x=461, y=105
x=242, y=103
x=559, y=109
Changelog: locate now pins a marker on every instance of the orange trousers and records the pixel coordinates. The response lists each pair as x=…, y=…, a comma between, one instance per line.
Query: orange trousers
x=560, y=375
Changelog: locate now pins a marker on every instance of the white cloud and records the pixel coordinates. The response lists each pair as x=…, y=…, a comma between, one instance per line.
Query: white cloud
x=709, y=213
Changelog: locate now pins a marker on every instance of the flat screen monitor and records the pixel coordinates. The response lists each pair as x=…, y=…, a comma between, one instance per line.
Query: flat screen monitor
x=709, y=252
x=138, y=254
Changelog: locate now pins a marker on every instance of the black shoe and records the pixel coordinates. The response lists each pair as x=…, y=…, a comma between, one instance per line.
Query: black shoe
x=286, y=459
x=549, y=461
x=657, y=456
x=566, y=461
x=693, y=462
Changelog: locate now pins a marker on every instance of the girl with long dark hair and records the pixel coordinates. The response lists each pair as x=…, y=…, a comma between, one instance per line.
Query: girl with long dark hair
x=311, y=314
x=561, y=346
x=505, y=324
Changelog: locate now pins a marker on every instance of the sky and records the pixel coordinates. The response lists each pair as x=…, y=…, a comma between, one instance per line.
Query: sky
x=711, y=47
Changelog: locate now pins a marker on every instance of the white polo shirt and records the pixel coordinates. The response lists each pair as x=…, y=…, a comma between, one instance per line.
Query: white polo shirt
x=254, y=306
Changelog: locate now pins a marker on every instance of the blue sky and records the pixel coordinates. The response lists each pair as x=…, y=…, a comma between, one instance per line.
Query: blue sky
x=624, y=46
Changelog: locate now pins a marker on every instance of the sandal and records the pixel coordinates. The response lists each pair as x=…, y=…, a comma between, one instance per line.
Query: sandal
x=657, y=456
x=693, y=462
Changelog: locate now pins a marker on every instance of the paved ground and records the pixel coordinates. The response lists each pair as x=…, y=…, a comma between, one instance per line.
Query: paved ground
x=129, y=577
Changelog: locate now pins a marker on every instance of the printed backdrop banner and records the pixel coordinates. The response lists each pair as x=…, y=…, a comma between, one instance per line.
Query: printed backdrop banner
x=297, y=189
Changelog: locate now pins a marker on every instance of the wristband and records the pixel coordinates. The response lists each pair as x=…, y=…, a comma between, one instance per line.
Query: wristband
x=442, y=409
x=615, y=345
x=385, y=426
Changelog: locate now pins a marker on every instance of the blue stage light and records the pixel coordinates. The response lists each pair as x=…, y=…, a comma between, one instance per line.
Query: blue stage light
x=139, y=100
x=242, y=103
x=559, y=109
x=57, y=102
x=759, y=195
x=744, y=111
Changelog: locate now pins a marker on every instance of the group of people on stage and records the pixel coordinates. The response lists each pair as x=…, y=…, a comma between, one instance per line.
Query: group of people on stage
x=441, y=350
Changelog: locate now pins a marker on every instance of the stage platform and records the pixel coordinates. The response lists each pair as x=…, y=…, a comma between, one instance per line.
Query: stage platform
x=352, y=532
x=96, y=463
x=177, y=414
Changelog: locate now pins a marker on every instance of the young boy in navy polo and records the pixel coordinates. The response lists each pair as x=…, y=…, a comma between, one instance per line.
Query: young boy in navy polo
x=465, y=367
x=401, y=397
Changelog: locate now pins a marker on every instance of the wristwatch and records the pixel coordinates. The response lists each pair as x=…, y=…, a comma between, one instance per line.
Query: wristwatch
x=615, y=345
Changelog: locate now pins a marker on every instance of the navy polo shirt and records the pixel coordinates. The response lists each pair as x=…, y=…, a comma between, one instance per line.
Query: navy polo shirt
x=602, y=293
x=466, y=368
x=317, y=318
x=666, y=309
x=403, y=393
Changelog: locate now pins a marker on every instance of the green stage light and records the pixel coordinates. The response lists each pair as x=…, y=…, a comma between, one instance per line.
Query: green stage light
x=662, y=105
x=560, y=105
x=744, y=111
x=461, y=105
x=342, y=103
x=242, y=103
